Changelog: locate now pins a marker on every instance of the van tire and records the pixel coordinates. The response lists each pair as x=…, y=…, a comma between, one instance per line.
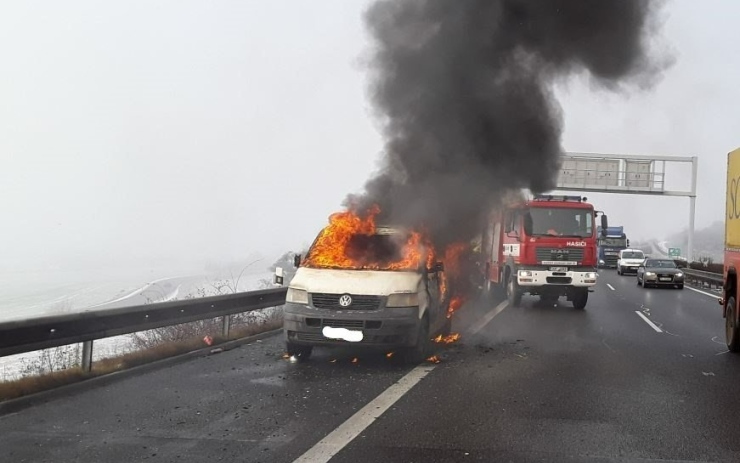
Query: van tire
x=447, y=327
x=421, y=350
x=301, y=353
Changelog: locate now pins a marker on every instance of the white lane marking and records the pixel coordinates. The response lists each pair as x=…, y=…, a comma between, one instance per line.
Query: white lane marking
x=487, y=319
x=330, y=445
x=611, y=287
x=647, y=320
x=715, y=296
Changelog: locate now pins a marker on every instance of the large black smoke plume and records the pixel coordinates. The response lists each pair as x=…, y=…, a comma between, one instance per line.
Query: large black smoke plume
x=463, y=91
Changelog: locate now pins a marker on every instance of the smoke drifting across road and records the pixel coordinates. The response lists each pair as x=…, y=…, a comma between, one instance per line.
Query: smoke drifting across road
x=463, y=92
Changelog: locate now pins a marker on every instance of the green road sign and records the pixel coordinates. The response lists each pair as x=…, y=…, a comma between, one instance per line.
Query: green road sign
x=674, y=252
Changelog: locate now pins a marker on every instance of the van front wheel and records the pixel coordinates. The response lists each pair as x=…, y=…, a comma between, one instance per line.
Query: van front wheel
x=301, y=353
x=420, y=351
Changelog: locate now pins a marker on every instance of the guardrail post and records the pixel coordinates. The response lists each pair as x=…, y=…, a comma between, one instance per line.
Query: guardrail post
x=87, y=350
x=226, y=326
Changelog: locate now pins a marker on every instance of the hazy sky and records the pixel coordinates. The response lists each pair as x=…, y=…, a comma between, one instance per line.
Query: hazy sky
x=178, y=132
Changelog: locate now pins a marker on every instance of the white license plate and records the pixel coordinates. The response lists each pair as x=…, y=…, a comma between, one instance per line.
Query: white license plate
x=558, y=269
x=665, y=279
x=342, y=333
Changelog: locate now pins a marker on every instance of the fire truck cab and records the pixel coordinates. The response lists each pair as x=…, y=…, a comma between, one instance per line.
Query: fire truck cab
x=546, y=246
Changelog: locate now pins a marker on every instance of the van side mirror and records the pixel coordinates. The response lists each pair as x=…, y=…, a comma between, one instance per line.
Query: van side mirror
x=438, y=267
x=297, y=260
x=604, y=224
x=279, y=276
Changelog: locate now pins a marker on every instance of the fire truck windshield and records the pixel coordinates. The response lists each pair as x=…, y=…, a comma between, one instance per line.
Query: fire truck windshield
x=559, y=221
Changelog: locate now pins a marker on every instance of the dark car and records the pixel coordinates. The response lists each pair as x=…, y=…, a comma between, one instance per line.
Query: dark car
x=659, y=272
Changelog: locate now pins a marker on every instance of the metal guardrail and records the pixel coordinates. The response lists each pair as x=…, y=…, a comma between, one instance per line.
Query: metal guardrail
x=59, y=330
x=704, y=279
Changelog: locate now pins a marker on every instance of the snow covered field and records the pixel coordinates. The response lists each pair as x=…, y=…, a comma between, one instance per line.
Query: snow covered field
x=24, y=296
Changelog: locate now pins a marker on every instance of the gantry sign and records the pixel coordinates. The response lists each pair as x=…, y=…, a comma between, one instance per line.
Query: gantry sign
x=627, y=174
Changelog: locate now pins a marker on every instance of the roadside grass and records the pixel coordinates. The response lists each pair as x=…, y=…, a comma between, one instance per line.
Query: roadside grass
x=157, y=347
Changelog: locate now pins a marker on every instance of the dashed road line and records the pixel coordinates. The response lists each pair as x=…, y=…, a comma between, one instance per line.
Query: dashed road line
x=489, y=316
x=611, y=287
x=333, y=443
x=647, y=320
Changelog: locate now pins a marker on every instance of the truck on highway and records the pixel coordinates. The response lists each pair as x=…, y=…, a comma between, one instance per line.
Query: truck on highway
x=545, y=246
x=610, y=242
x=729, y=299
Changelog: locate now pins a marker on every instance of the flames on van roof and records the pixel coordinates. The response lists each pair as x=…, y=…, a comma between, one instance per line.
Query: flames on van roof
x=353, y=241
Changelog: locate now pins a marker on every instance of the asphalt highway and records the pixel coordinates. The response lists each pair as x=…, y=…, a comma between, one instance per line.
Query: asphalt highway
x=639, y=375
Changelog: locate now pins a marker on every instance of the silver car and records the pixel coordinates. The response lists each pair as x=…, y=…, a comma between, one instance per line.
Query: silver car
x=660, y=272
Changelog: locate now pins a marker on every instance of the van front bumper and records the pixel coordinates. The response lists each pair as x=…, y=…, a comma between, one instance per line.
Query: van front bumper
x=382, y=329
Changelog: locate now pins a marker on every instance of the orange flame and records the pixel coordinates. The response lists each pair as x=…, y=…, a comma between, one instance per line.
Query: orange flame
x=389, y=354
x=449, y=339
x=455, y=304
x=336, y=247
x=286, y=355
x=433, y=359
x=332, y=247
x=355, y=360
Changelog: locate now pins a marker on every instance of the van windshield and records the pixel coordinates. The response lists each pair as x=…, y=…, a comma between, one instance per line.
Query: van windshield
x=390, y=252
x=633, y=255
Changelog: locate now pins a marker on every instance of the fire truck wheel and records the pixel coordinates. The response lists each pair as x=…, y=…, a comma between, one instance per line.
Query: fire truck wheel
x=419, y=352
x=580, y=299
x=301, y=353
x=488, y=289
x=513, y=293
x=732, y=332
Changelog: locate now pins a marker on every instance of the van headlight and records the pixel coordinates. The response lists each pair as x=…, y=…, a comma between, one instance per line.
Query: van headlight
x=403, y=300
x=297, y=296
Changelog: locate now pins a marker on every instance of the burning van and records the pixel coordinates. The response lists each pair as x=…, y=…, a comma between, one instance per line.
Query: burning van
x=373, y=288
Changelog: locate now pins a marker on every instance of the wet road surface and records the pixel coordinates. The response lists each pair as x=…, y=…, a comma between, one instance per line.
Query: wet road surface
x=529, y=383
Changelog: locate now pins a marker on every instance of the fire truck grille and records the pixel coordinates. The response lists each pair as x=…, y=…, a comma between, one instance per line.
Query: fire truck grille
x=555, y=254
x=331, y=301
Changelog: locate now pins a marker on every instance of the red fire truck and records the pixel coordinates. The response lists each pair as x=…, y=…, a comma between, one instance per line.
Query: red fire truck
x=545, y=246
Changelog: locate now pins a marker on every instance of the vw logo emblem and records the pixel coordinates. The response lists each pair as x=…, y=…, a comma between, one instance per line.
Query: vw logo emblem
x=345, y=300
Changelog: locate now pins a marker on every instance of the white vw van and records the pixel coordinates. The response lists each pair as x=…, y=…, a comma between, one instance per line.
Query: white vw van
x=388, y=310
